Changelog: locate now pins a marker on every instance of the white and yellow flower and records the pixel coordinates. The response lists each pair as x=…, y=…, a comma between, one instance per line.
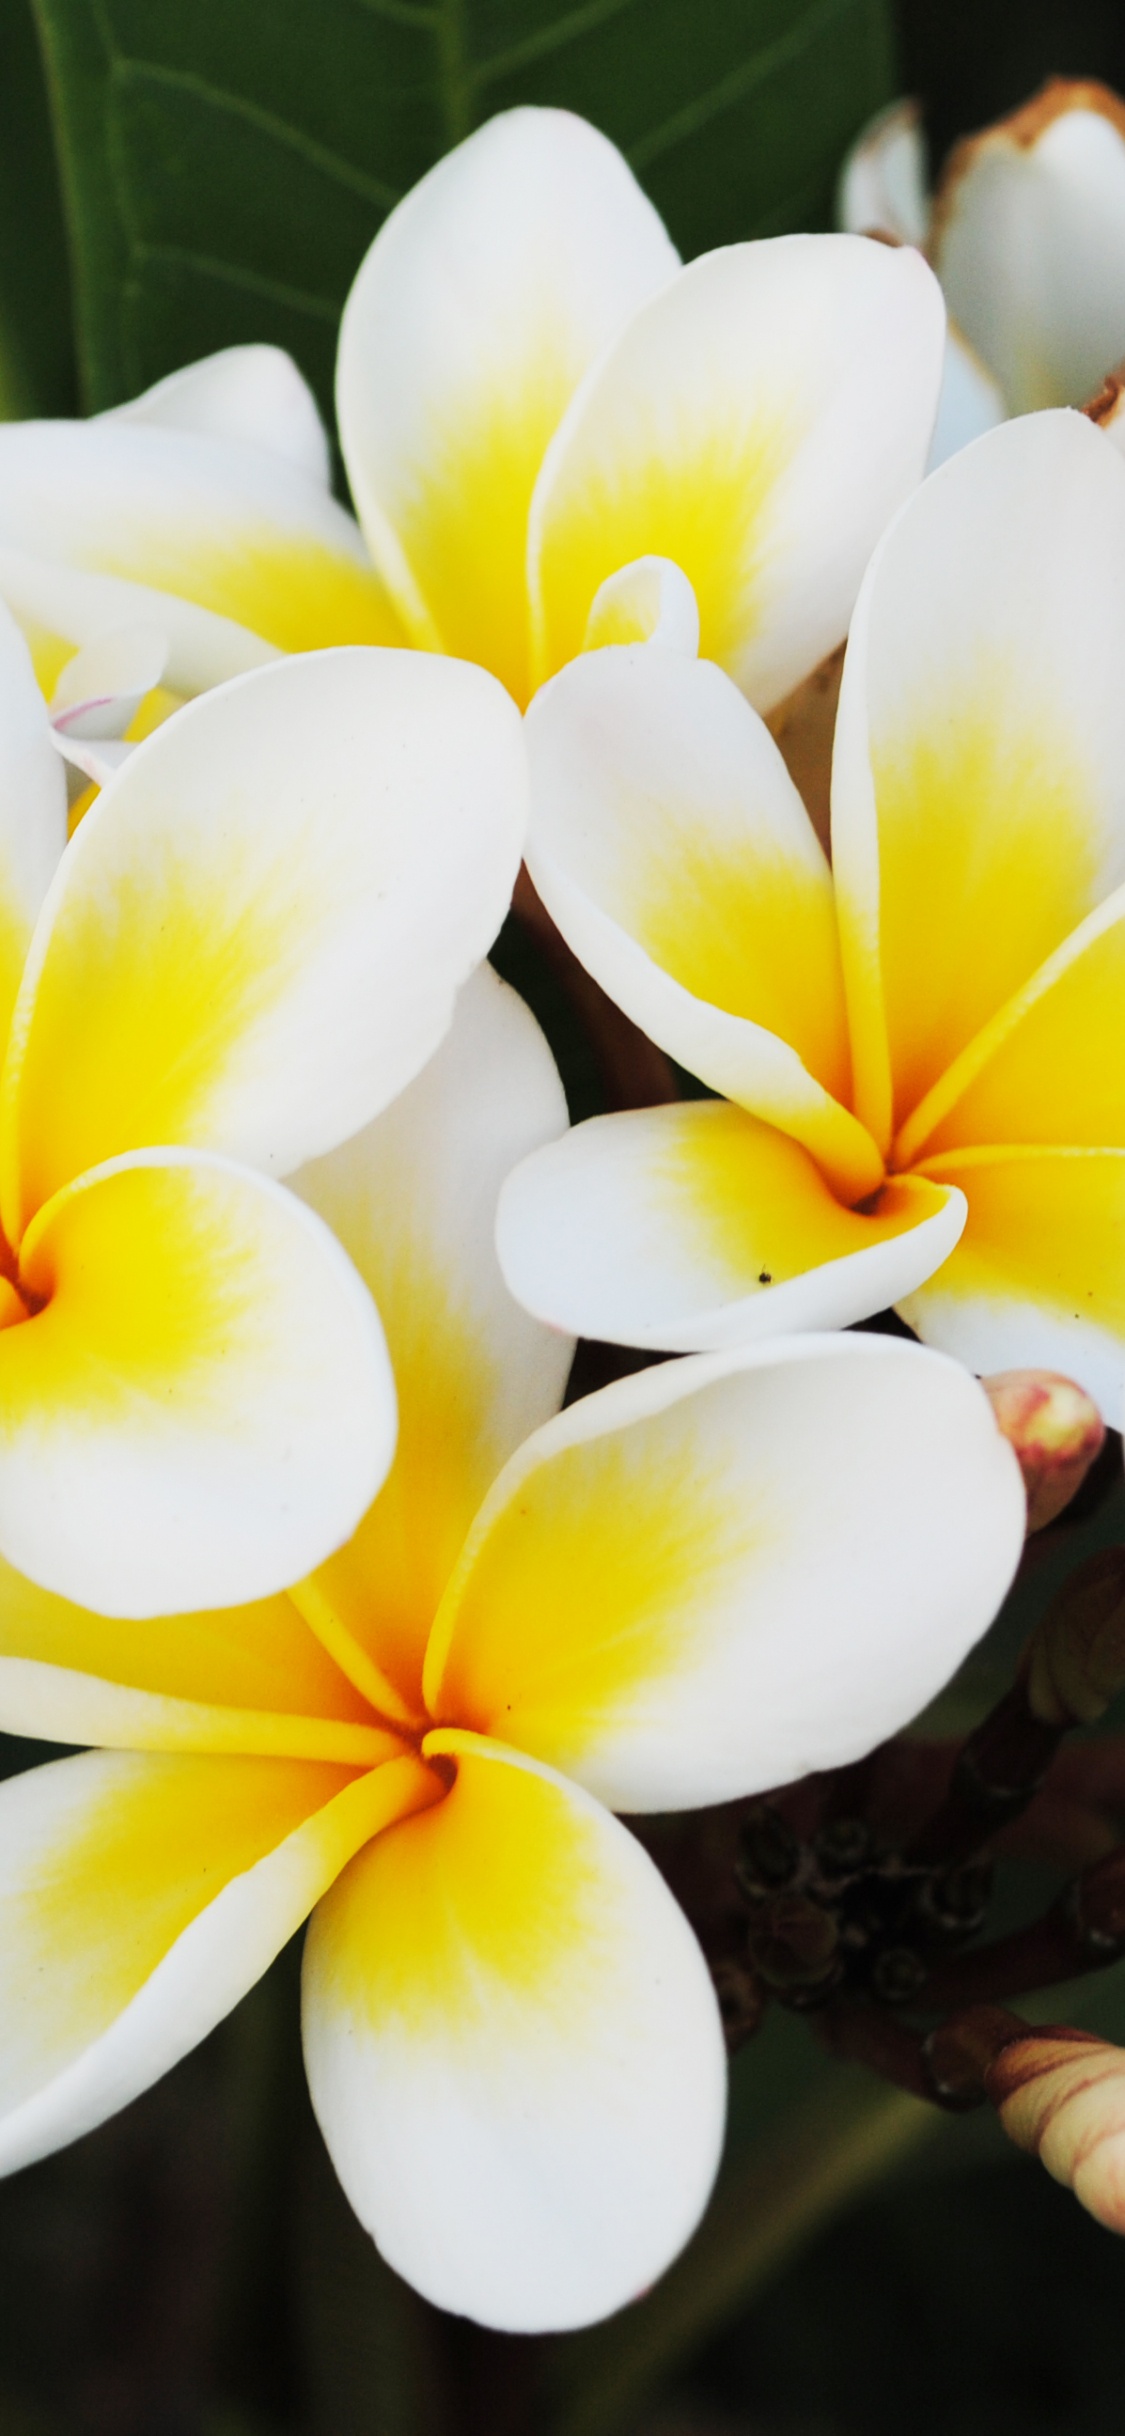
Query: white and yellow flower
x=1026, y=233
x=251, y=944
x=702, y=1581
x=532, y=393
x=921, y=1051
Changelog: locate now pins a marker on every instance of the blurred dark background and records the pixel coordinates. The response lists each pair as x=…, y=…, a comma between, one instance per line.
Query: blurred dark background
x=192, y=2270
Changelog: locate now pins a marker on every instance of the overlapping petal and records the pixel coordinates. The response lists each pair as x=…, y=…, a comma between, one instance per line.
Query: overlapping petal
x=255, y=1657
x=32, y=811
x=200, y=1402
x=140, y=1896
x=1029, y=242
x=232, y=952
x=672, y=849
x=757, y=422
x=234, y=551
x=979, y=777
x=694, y=1227
x=514, y=2049
x=681, y=1591
x=413, y=1201
x=250, y=393
x=1037, y=1278
x=480, y=305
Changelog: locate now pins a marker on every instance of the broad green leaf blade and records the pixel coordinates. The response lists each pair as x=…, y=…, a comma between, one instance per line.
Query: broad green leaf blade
x=226, y=164
x=37, y=370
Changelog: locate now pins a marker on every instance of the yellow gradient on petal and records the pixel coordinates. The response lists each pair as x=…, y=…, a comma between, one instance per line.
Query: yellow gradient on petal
x=754, y=934
x=581, y=1587
x=387, y=1583
x=986, y=861
x=154, y=1284
x=147, y=1857
x=759, y=1209
x=1053, y=1067
x=297, y=593
x=698, y=497
x=145, y=990
x=462, y=517
x=261, y=1656
x=1044, y=1226
x=494, y=1893
x=49, y=653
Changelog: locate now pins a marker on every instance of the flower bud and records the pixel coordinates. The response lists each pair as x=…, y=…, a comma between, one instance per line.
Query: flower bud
x=1054, y=1430
x=1076, y=1662
x=1060, y=2093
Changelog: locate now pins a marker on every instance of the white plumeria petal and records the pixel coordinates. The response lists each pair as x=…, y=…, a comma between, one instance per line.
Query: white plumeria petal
x=971, y=401
x=222, y=545
x=648, y=602
x=200, y=1406
x=670, y=845
x=1037, y=1278
x=413, y=1200
x=260, y=927
x=102, y=687
x=691, y=1228
x=978, y=786
x=93, y=763
x=1029, y=242
x=481, y=303
x=883, y=186
x=757, y=423
x=140, y=1897
x=729, y=1570
x=242, y=393
x=32, y=810
x=514, y=2049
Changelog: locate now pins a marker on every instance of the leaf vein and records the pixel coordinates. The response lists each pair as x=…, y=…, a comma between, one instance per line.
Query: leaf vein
x=266, y=122
x=549, y=38
x=238, y=275
x=736, y=84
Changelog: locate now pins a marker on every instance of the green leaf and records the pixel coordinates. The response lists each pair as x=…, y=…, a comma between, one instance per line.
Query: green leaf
x=226, y=164
x=37, y=368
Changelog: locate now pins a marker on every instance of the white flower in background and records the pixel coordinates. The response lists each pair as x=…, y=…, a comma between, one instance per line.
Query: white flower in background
x=1026, y=233
x=250, y=945
x=921, y=1051
x=701, y=1582
x=532, y=394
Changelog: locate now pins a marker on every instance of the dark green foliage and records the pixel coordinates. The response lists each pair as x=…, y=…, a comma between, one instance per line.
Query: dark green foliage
x=225, y=166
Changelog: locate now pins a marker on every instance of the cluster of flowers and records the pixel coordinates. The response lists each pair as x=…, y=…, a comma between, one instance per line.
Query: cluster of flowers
x=350, y=1619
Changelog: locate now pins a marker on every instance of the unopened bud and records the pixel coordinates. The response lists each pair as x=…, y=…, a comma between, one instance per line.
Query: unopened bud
x=1076, y=1662
x=1060, y=2093
x=1055, y=1432
x=794, y=1945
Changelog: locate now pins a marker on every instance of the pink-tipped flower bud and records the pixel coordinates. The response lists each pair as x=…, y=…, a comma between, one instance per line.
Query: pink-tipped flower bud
x=1060, y=2093
x=1055, y=1432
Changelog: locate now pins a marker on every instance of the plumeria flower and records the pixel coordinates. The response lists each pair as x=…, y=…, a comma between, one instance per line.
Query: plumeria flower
x=253, y=941
x=532, y=393
x=1026, y=233
x=706, y=1579
x=922, y=1050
